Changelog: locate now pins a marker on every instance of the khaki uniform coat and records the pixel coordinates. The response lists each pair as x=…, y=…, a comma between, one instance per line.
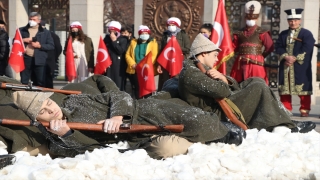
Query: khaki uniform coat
x=258, y=104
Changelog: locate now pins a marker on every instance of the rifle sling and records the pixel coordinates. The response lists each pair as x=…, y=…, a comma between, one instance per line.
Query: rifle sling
x=235, y=110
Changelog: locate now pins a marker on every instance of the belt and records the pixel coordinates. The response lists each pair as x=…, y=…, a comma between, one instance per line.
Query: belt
x=256, y=50
x=248, y=60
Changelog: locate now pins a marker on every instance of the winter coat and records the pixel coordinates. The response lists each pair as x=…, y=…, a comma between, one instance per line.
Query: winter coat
x=117, y=50
x=101, y=99
x=89, y=51
x=53, y=55
x=4, y=46
x=130, y=54
x=256, y=101
x=44, y=38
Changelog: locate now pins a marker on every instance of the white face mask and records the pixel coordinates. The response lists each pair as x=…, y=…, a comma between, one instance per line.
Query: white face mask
x=144, y=36
x=250, y=22
x=32, y=23
x=172, y=28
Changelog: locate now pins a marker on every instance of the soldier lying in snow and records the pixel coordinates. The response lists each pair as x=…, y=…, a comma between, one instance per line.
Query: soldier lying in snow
x=102, y=102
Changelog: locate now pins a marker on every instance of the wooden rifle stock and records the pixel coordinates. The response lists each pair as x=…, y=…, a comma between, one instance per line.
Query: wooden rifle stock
x=29, y=87
x=133, y=128
x=224, y=106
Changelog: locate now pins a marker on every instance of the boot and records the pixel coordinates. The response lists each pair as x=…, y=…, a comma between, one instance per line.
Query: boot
x=229, y=138
x=304, y=126
x=234, y=128
x=6, y=160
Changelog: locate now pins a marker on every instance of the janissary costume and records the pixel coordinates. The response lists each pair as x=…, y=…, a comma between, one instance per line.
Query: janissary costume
x=249, y=43
x=295, y=79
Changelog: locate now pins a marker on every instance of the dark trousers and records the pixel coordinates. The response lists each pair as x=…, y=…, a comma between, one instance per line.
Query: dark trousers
x=36, y=73
x=3, y=66
x=134, y=85
x=49, y=77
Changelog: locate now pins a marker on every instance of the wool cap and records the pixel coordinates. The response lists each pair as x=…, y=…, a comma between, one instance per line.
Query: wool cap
x=174, y=20
x=294, y=13
x=76, y=24
x=252, y=9
x=202, y=44
x=143, y=28
x=114, y=25
x=30, y=102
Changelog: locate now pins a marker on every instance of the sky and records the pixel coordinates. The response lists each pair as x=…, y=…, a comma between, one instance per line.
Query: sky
x=262, y=155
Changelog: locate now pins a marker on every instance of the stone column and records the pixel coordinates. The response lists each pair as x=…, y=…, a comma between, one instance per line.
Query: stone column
x=18, y=17
x=210, y=9
x=90, y=14
x=138, y=13
x=310, y=21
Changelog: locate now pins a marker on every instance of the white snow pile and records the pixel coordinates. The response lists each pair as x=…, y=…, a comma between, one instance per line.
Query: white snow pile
x=262, y=155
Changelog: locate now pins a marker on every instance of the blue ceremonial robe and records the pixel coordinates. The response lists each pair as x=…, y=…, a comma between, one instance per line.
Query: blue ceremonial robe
x=296, y=79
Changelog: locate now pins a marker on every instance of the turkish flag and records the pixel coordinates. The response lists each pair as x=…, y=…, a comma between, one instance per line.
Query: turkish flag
x=70, y=66
x=16, y=60
x=221, y=36
x=103, y=58
x=171, y=57
x=145, y=75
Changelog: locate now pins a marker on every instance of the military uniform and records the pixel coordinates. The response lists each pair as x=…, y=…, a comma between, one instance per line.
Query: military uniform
x=100, y=100
x=254, y=99
x=249, y=43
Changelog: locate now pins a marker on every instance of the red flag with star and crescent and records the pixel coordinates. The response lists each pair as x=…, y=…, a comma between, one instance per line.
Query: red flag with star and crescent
x=145, y=75
x=70, y=66
x=103, y=58
x=221, y=37
x=16, y=60
x=171, y=57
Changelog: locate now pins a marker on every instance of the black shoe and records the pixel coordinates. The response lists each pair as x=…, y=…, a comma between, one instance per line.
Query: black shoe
x=6, y=160
x=304, y=126
x=229, y=138
x=234, y=128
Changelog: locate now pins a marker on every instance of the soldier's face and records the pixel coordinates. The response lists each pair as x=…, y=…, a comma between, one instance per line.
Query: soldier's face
x=211, y=58
x=49, y=111
x=294, y=23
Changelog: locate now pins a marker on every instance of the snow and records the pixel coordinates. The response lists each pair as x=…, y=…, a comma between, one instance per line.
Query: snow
x=262, y=155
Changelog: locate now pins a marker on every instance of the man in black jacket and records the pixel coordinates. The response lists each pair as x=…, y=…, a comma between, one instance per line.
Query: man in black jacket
x=37, y=41
x=53, y=57
x=4, y=48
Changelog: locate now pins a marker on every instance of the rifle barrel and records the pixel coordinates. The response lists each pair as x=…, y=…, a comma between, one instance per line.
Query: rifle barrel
x=134, y=128
x=36, y=88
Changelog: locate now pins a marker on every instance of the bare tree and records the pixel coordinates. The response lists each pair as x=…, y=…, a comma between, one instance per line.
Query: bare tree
x=119, y=10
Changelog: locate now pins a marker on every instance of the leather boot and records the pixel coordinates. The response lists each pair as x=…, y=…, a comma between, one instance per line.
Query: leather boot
x=304, y=126
x=6, y=160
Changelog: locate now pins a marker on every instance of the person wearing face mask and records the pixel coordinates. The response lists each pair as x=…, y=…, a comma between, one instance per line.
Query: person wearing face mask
x=37, y=41
x=173, y=25
x=83, y=51
x=4, y=48
x=117, y=47
x=295, y=48
x=137, y=50
x=248, y=43
x=206, y=30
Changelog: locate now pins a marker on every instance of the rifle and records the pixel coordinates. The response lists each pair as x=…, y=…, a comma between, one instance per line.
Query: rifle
x=223, y=104
x=29, y=87
x=124, y=128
